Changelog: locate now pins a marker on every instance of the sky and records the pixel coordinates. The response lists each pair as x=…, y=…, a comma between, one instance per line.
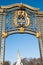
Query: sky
x=34, y=3
x=27, y=44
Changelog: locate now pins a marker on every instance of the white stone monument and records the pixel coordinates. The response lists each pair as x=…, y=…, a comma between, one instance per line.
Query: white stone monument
x=19, y=60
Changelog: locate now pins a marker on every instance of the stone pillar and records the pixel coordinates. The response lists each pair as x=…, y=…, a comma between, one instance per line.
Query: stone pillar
x=2, y=40
x=0, y=34
x=40, y=29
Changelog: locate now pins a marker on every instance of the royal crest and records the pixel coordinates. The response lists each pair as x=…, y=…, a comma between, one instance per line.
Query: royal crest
x=21, y=18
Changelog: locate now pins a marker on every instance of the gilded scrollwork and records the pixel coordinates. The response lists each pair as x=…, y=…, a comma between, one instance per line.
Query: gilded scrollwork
x=21, y=17
x=15, y=19
x=4, y=34
x=27, y=19
x=38, y=34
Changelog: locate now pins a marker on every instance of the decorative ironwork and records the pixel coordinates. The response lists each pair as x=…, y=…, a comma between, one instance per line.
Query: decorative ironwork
x=22, y=29
x=4, y=34
x=38, y=34
x=20, y=18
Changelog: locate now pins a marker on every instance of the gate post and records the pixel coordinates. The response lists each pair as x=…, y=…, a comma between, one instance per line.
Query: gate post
x=2, y=40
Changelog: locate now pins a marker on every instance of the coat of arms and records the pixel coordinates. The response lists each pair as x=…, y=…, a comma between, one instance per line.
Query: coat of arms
x=21, y=18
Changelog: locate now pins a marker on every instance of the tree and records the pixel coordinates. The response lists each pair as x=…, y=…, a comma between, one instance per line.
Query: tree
x=6, y=63
x=31, y=63
x=38, y=64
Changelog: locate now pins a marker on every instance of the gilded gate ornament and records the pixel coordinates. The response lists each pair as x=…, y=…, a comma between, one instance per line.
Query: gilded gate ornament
x=4, y=34
x=38, y=34
x=21, y=18
x=22, y=29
